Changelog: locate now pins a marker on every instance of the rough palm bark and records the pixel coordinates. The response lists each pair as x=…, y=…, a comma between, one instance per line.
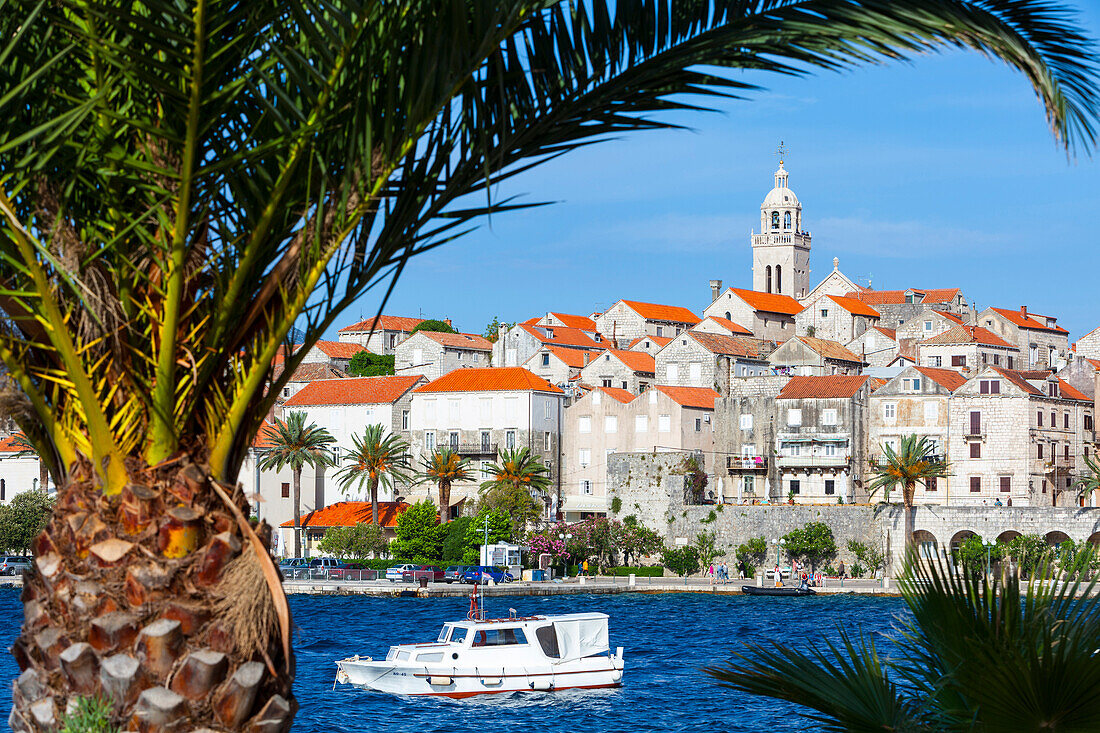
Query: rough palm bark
x=127, y=600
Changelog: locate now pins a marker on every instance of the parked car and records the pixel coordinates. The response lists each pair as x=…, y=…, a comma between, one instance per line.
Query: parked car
x=14, y=565
x=344, y=571
x=409, y=574
x=455, y=572
x=394, y=573
x=320, y=567
x=478, y=573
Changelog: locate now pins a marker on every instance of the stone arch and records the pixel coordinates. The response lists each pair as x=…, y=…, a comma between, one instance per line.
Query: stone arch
x=925, y=542
x=728, y=316
x=779, y=278
x=1094, y=538
x=959, y=537
x=1008, y=535
x=1055, y=537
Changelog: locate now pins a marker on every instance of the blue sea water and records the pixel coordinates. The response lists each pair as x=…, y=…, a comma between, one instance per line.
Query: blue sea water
x=668, y=639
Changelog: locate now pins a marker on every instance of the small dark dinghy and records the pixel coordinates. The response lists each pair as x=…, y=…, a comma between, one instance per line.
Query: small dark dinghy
x=752, y=590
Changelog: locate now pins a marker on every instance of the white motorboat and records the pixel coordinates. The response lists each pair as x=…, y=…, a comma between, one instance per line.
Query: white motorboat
x=484, y=656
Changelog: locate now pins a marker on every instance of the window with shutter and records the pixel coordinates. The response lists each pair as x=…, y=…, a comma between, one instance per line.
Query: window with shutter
x=975, y=423
x=975, y=484
x=1006, y=484
x=975, y=450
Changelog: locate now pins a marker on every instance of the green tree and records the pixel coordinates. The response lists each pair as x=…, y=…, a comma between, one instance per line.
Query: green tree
x=418, y=536
x=22, y=519
x=911, y=464
x=1029, y=552
x=813, y=543
x=443, y=468
x=681, y=560
x=433, y=324
x=752, y=552
x=706, y=546
x=492, y=329
x=635, y=540
x=454, y=544
x=295, y=444
x=869, y=556
x=182, y=183
x=970, y=657
x=377, y=458
x=515, y=482
x=358, y=542
x=500, y=530
x=366, y=364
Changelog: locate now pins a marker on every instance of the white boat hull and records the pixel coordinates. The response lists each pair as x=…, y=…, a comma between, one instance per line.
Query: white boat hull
x=398, y=678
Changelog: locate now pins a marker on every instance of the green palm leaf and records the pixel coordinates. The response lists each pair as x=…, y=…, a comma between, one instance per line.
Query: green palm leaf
x=377, y=459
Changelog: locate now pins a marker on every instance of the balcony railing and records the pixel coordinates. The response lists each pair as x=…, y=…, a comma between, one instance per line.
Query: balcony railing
x=475, y=449
x=974, y=436
x=746, y=463
x=813, y=461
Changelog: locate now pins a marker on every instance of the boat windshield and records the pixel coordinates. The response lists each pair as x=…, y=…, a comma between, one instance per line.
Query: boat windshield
x=445, y=632
x=499, y=637
x=459, y=635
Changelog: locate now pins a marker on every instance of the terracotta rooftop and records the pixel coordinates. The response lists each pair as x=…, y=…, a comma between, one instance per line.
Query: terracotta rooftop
x=829, y=349
x=12, y=444
x=831, y=387
x=658, y=340
x=657, y=312
x=354, y=391
x=584, y=323
x=563, y=336
x=892, y=333
x=637, y=361
x=1095, y=362
x=897, y=297
x=339, y=349
x=969, y=335
x=700, y=397
x=469, y=341
x=854, y=306
x=950, y=316
x=575, y=358
x=489, y=379
x=733, y=345
x=734, y=328
x=768, y=302
x=1070, y=392
x=1019, y=380
x=1028, y=320
x=618, y=394
x=351, y=513
x=310, y=372
x=949, y=379
x=384, y=323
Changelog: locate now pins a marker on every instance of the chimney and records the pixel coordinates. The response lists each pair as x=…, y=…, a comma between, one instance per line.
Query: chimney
x=586, y=357
x=1023, y=311
x=715, y=290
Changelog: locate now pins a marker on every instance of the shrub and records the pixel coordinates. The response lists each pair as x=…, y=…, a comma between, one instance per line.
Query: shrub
x=752, y=554
x=681, y=560
x=616, y=505
x=419, y=534
x=857, y=570
x=813, y=543
x=873, y=557
x=454, y=542
x=366, y=364
x=644, y=571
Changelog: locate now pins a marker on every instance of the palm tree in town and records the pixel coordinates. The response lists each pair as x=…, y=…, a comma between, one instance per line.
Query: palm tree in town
x=378, y=458
x=971, y=657
x=518, y=485
x=295, y=444
x=185, y=184
x=914, y=462
x=444, y=467
x=1088, y=483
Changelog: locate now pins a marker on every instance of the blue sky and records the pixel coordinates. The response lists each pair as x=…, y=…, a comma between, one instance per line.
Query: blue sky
x=936, y=173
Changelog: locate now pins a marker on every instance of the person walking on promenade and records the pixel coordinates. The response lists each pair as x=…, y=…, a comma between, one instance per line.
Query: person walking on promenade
x=584, y=568
x=778, y=576
x=740, y=569
x=841, y=570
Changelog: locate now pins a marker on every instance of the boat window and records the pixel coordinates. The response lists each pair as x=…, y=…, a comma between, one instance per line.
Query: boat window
x=402, y=656
x=459, y=635
x=548, y=640
x=499, y=637
x=444, y=632
x=431, y=657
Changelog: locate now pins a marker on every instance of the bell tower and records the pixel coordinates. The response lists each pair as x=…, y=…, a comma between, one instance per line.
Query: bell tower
x=781, y=251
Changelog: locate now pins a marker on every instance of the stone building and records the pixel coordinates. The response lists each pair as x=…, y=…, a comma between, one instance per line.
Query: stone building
x=434, y=354
x=336, y=354
x=967, y=349
x=916, y=402
x=808, y=356
x=648, y=344
x=1042, y=342
x=1081, y=374
x=516, y=345
x=627, y=320
x=303, y=375
x=1089, y=344
x=629, y=370
x=835, y=318
x=876, y=346
x=609, y=421
x=744, y=440
x=560, y=366
x=1018, y=436
x=768, y=316
x=898, y=306
x=380, y=335
x=924, y=326
x=781, y=252
x=821, y=440
x=567, y=320
x=721, y=326
x=696, y=359
x=481, y=411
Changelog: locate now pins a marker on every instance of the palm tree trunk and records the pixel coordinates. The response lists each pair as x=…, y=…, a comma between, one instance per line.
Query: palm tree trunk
x=374, y=501
x=910, y=518
x=43, y=477
x=162, y=600
x=297, y=490
x=444, y=501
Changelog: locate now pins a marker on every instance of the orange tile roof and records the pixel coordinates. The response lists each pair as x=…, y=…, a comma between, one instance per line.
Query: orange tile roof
x=892, y=333
x=729, y=325
x=657, y=312
x=701, y=397
x=949, y=379
x=351, y=513
x=572, y=357
x=339, y=349
x=265, y=436
x=830, y=349
x=531, y=321
x=831, y=387
x=1095, y=362
x=583, y=323
x=769, y=302
x=459, y=340
x=897, y=297
x=353, y=391
x=310, y=372
x=733, y=345
x=489, y=379
x=950, y=316
x=1019, y=380
x=562, y=336
x=854, y=306
x=1070, y=392
x=969, y=335
x=659, y=340
x=1027, y=321
x=619, y=394
x=11, y=444
x=384, y=323
x=637, y=361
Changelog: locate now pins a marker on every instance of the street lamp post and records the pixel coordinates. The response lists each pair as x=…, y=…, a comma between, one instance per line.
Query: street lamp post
x=988, y=549
x=565, y=537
